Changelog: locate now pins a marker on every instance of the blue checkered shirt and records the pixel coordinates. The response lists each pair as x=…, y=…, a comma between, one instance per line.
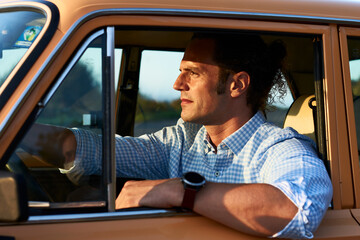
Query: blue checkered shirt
x=258, y=152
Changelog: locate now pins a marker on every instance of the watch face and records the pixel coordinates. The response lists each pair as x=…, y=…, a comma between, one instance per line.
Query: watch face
x=193, y=178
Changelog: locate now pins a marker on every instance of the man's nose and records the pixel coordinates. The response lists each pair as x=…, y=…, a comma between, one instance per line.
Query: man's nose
x=180, y=83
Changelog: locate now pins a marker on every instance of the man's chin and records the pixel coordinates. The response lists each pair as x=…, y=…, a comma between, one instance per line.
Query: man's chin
x=190, y=119
x=185, y=117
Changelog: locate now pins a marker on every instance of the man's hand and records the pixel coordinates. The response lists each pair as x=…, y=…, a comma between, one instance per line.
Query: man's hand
x=164, y=193
x=68, y=147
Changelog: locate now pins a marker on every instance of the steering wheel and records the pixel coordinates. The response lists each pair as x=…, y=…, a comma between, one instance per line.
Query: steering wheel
x=35, y=191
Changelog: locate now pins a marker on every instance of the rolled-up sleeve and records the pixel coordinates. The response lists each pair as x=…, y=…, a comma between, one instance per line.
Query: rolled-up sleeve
x=88, y=152
x=302, y=177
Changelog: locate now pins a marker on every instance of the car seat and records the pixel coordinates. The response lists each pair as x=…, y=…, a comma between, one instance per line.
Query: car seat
x=301, y=116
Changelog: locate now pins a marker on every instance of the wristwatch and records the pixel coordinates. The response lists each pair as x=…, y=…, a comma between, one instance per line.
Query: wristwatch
x=193, y=182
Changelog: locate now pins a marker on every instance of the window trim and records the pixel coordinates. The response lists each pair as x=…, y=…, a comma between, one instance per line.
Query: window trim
x=135, y=213
x=344, y=33
x=109, y=165
x=47, y=97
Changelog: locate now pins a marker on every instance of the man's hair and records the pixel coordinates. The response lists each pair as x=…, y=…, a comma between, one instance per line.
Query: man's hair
x=249, y=53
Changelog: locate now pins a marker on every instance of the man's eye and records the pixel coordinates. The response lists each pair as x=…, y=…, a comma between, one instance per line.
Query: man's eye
x=192, y=73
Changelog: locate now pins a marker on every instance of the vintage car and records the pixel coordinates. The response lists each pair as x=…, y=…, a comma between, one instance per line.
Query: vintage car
x=108, y=67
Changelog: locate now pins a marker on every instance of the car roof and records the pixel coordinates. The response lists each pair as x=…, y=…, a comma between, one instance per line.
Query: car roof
x=295, y=10
x=340, y=9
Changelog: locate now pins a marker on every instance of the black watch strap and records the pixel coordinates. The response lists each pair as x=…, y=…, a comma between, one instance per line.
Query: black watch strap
x=189, y=198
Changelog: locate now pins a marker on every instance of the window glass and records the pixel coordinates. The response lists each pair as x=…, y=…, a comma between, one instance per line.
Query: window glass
x=18, y=30
x=48, y=147
x=158, y=104
x=117, y=62
x=354, y=57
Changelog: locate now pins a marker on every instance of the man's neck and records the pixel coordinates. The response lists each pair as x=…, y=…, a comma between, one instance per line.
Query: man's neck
x=217, y=133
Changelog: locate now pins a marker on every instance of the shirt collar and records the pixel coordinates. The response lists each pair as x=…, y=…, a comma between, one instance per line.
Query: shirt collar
x=240, y=137
x=206, y=140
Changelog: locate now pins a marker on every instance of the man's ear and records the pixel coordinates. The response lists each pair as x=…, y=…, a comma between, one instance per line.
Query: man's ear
x=239, y=84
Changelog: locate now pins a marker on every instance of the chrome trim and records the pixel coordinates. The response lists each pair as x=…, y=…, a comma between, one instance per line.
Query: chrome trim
x=38, y=204
x=110, y=43
x=57, y=205
x=212, y=13
x=127, y=214
x=109, y=118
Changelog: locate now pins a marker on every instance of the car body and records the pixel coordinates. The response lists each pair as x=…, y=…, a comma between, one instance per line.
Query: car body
x=46, y=82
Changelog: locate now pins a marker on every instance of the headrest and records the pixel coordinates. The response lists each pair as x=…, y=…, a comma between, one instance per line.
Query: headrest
x=301, y=116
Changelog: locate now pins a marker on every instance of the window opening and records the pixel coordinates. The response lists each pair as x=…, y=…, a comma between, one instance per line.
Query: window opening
x=46, y=154
x=354, y=63
x=158, y=104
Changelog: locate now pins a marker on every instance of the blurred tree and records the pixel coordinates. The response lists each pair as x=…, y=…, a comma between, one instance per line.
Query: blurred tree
x=79, y=93
x=152, y=110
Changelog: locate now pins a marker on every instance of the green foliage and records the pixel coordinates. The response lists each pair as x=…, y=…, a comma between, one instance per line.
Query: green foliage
x=79, y=93
x=151, y=110
x=355, y=88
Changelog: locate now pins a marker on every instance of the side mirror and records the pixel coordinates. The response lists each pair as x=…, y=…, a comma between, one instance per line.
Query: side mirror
x=13, y=198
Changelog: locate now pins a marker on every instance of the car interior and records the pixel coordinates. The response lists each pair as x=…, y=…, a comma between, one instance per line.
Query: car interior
x=77, y=104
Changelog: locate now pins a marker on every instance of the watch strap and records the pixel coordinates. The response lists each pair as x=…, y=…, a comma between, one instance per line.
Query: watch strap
x=189, y=198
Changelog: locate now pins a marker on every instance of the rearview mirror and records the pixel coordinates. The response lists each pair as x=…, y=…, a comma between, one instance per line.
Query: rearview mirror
x=13, y=198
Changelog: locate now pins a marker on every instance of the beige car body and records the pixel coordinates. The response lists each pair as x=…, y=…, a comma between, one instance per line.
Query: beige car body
x=333, y=20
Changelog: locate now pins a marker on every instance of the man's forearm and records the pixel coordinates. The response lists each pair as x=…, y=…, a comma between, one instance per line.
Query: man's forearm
x=258, y=209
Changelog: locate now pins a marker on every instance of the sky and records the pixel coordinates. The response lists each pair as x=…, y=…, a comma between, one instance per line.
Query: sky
x=355, y=70
x=158, y=73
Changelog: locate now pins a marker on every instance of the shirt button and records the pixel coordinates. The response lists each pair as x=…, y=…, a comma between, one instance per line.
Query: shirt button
x=217, y=174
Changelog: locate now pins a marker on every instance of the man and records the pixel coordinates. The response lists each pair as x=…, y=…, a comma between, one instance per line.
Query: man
x=261, y=179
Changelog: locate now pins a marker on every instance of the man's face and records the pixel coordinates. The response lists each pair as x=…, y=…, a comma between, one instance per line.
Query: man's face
x=198, y=83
